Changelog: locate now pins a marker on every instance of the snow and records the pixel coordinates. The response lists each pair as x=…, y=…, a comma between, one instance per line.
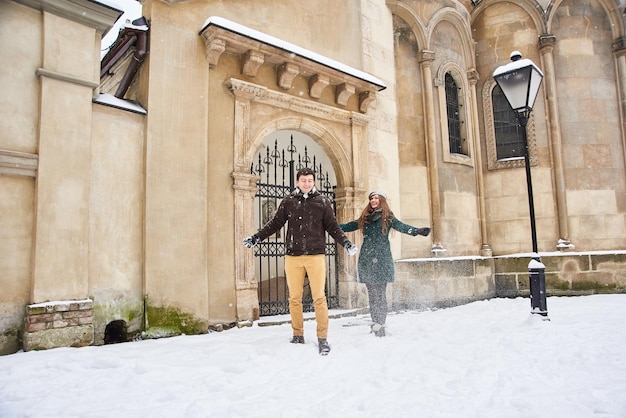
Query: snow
x=289, y=47
x=59, y=302
x=112, y=101
x=484, y=359
x=534, y=264
x=132, y=10
x=517, y=255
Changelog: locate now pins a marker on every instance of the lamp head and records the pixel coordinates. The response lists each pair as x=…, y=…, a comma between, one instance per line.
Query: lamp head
x=519, y=80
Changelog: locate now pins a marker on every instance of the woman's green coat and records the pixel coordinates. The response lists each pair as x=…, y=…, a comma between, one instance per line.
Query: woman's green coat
x=375, y=261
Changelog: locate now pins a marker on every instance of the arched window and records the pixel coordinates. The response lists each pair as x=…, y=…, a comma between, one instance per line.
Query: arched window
x=508, y=133
x=454, y=116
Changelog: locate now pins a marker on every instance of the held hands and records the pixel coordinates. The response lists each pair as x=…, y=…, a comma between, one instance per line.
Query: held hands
x=351, y=248
x=419, y=231
x=251, y=241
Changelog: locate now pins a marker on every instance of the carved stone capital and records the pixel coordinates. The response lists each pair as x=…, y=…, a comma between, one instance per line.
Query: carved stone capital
x=427, y=57
x=546, y=42
x=619, y=46
x=473, y=76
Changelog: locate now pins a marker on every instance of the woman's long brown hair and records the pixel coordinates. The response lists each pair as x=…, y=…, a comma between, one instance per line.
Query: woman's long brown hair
x=369, y=209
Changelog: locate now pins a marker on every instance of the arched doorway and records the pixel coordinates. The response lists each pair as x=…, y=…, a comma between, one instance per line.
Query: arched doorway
x=279, y=157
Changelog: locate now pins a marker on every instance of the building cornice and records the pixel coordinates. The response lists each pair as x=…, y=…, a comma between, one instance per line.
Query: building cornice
x=97, y=15
x=255, y=49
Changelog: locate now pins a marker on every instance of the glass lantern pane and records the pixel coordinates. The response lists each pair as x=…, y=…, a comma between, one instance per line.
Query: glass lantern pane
x=514, y=85
x=535, y=83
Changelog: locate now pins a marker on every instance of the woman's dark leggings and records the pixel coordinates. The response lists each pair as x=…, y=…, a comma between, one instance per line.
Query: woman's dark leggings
x=376, y=292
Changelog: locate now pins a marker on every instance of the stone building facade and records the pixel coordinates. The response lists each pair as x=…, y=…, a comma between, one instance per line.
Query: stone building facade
x=134, y=208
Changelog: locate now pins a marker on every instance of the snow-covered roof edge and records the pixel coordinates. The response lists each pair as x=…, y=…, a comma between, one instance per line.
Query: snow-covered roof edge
x=112, y=101
x=289, y=47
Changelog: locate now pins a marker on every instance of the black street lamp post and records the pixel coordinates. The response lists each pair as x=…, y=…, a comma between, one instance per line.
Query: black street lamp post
x=520, y=81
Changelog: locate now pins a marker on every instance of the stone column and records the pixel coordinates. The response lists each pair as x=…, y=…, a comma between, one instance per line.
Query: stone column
x=546, y=46
x=349, y=204
x=62, y=203
x=619, y=50
x=245, y=279
x=245, y=187
x=426, y=61
x=485, y=249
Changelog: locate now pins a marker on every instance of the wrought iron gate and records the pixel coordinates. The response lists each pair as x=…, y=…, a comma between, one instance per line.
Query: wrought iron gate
x=277, y=170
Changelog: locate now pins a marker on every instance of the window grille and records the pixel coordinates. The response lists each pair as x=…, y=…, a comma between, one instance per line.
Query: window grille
x=508, y=132
x=454, y=118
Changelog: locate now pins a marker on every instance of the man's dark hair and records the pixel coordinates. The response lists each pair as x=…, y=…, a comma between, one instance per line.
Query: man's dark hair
x=305, y=172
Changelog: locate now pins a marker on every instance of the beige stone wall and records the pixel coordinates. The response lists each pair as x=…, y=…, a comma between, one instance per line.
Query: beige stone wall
x=16, y=226
x=176, y=209
x=192, y=245
x=592, y=139
x=571, y=142
x=116, y=213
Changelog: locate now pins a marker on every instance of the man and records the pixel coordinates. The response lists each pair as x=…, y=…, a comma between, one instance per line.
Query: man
x=310, y=215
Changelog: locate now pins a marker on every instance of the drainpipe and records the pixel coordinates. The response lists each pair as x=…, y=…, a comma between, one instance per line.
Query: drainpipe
x=139, y=55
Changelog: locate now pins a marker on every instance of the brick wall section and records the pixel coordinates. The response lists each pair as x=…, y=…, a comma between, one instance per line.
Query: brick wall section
x=58, y=324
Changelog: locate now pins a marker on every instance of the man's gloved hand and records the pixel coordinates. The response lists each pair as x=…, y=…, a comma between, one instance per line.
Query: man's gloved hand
x=419, y=231
x=251, y=241
x=351, y=248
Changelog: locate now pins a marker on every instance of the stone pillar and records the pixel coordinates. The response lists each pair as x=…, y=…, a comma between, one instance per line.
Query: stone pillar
x=485, y=249
x=546, y=46
x=426, y=62
x=62, y=209
x=245, y=187
x=619, y=50
x=245, y=279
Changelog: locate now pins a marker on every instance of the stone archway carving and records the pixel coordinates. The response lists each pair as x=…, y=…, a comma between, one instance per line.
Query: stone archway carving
x=341, y=133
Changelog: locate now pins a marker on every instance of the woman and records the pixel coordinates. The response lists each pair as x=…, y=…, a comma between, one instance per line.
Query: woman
x=375, y=265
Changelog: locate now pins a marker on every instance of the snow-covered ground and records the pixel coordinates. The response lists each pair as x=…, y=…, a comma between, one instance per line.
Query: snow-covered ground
x=485, y=359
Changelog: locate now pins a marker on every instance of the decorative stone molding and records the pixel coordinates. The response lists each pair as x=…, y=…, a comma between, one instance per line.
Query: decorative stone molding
x=490, y=136
x=251, y=61
x=97, y=15
x=18, y=163
x=286, y=73
x=317, y=84
x=318, y=120
x=367, y=99
x=42, y=72
x=214, y=50
x=343, y=93
x=255, y=92
x=289, y=61
x=59, y=324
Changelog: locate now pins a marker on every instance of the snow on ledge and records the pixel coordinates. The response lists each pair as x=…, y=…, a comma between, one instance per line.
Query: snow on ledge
x=112, y=101
x=294, y=49
x=517, y=255
x=59, y=302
